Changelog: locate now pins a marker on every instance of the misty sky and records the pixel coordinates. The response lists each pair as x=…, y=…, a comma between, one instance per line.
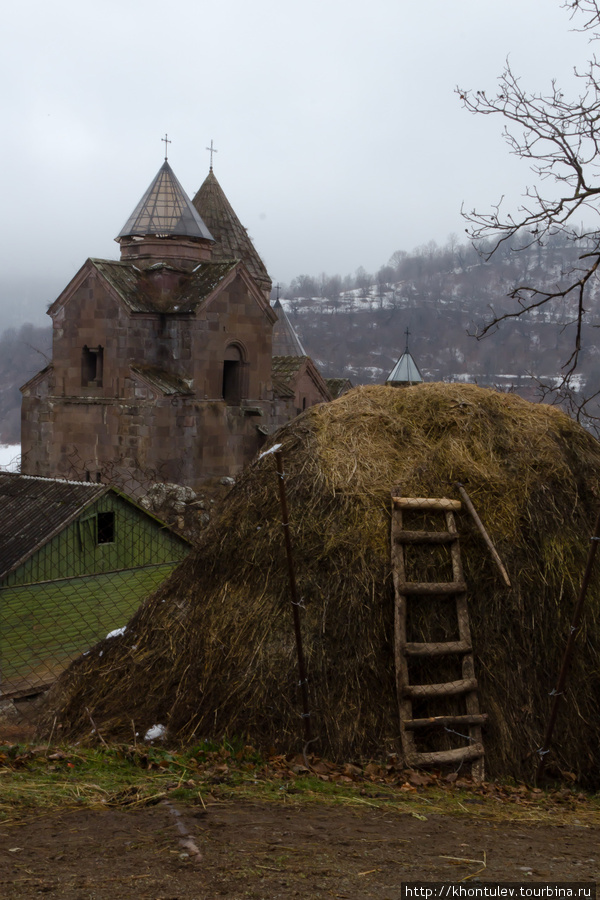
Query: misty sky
x=340, y=138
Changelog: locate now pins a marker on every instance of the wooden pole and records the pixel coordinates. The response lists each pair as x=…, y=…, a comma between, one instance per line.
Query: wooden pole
x=484, y=534
x=558, y=691
x=294, y=598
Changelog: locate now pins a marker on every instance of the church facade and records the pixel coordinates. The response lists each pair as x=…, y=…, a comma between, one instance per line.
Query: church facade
x=162, y=361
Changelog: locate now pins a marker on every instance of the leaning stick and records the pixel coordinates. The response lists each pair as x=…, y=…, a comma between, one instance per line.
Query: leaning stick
x=484, y=534
x=96, y=729
x=303, y=683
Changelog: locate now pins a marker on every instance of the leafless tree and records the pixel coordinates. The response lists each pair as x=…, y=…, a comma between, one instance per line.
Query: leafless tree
x=560, y=137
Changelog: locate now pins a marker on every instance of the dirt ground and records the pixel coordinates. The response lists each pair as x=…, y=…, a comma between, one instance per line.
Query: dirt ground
x=250, y=850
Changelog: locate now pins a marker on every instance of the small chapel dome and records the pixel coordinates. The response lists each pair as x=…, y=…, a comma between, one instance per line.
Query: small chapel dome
x=165, y=224
x=406, y=371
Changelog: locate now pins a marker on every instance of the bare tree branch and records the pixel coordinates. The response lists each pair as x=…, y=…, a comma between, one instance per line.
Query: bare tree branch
x=560, y=138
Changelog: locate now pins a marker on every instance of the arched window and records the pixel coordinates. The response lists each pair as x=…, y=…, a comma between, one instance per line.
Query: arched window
x=234, y=371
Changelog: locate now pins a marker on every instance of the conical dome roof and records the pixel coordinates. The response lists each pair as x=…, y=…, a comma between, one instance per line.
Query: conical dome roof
x=406, y=371
x=285, y=340
x=232, y=241
x=165, y=210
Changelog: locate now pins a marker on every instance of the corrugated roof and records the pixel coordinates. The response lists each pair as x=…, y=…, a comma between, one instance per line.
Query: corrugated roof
x=166, y=382
x=32, y=510
x=406, y=371
x=165, y=210
x=231, y=237
x=140, y=293
x=285, y=340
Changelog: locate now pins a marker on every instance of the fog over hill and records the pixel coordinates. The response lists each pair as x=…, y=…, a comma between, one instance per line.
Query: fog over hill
x=23, y=352
x=444, y=295
x=355, y=325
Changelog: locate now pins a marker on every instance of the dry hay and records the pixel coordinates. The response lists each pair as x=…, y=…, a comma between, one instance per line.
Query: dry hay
x=213, y=654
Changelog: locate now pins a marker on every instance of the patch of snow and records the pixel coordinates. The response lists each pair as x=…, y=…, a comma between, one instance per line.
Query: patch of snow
x=462, y=377
x=272, y=449
x=576, y=382
x=91, y=484
x=155, y=732
x=117, y=632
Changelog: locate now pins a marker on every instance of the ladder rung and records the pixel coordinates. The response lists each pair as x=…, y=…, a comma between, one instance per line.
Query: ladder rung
x=474, y=751
x=425, y=537
x=414, y=724
x=432, y=587
x=441, y=690
x=442, y=648
x=425, y=503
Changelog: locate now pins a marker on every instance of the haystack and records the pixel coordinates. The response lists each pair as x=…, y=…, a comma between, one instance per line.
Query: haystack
x=212, y=653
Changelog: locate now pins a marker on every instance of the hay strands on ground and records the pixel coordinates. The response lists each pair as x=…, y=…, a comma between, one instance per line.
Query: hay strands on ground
x=469, y=504
x=466, y=861
x=558, y=691
x=303, y=683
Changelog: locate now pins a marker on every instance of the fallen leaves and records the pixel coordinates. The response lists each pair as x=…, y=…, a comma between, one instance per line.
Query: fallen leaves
x=85, y=777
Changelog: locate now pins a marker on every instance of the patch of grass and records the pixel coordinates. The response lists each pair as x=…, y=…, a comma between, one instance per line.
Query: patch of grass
x=37, y=780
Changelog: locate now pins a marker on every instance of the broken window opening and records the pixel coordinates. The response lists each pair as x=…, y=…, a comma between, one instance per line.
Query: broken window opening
x=105, y=533
x=92, y=366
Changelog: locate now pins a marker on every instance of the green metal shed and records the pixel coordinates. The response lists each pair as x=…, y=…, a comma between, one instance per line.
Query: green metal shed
x=76, y=560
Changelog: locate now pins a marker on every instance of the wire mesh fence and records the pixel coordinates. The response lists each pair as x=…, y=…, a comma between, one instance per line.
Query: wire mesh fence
x=76, y=561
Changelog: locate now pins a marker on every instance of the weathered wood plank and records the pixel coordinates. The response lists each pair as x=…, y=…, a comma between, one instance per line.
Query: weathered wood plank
x=443, y=757
x=439, y=648
x=468, y=666
x=447, y=689
x=424, y=537
x=425, y=503
x=401, y=662
x=471, y=718
x=432, y=587
x=413, y=724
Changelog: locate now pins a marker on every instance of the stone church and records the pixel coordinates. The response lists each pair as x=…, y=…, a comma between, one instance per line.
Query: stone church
x=170, y=363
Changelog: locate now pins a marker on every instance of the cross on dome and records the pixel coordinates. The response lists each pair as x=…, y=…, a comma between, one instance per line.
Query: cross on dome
x=211, y=150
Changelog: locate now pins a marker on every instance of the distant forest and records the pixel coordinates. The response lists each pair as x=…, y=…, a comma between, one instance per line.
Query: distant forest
x=354, y=325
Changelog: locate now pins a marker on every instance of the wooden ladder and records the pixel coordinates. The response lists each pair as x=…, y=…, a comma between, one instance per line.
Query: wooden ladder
x=406, y=651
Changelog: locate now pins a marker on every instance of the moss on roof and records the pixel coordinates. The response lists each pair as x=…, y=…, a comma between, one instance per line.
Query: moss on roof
x=138, y=291
x=285, y=367
x=338, y=386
